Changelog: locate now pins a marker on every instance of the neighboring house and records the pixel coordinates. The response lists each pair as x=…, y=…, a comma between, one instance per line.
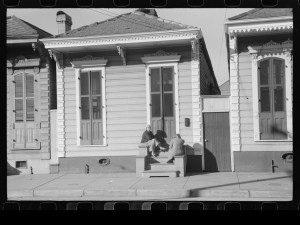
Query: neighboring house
x=225, y=88
x=31, y=93
x=115, y=77
x=260, y=47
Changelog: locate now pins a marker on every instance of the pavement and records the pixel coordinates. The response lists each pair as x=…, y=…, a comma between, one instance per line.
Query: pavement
x=219, y=186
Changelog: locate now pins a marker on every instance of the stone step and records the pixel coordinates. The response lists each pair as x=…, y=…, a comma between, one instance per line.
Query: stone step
x=162, y=167
x=150, y=173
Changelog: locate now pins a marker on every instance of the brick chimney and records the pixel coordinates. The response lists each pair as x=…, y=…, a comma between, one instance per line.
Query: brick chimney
x=64, y=22
x=151, y=12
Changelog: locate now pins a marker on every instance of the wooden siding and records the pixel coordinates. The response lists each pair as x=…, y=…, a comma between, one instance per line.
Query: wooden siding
x=126, y=100
x=246, y=111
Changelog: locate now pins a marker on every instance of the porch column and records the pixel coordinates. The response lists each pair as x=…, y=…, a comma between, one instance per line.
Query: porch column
x=235, y=96
x=61, y=139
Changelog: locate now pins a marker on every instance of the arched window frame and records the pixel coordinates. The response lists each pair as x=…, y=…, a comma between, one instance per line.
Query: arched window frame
x=259, y=53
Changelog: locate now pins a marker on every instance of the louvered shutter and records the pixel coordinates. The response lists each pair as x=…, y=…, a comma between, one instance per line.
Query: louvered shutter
x=18, y=112
x=85, y=112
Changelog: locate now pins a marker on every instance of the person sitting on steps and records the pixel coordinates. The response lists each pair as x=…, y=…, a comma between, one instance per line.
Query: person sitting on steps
x=175, y=148
x=149, y=141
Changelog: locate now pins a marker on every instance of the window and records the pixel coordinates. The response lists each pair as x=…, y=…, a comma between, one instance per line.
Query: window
x=91, y=108
x=272, y=109
x=25, y=127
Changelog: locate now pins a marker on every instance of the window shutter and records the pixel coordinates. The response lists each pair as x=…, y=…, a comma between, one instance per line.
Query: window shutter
x=18, y=137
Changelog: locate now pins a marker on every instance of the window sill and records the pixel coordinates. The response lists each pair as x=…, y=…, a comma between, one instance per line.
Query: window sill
x=273, y=140
x=92, y=146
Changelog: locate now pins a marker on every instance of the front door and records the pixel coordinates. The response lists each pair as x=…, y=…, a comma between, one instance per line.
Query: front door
x=217, y=142
x=162, y=101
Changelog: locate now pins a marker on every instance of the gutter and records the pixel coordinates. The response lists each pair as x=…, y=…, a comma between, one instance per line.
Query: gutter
x=20, y=41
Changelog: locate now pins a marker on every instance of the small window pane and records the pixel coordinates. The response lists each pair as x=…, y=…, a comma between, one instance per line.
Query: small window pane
x=19, y=86
x=84, y=83
x=168, y=79
x=264, y=72
x=168, y=105
x=19, y=110
x=156, y=105
x=30, y=109
x=278, y=99
x=96, y=107
x=278, y=71
x=155, y=80
x=85, y=108
x=264, y=99
x=96, y=83
x=29, y=85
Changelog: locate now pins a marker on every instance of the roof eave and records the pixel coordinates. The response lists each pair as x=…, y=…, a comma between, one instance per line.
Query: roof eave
x=20, y=41
x=270, y=19
x=47, y=40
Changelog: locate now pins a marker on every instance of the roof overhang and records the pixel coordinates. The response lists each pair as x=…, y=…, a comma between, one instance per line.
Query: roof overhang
x=135, y=40
x=21, y=41
x=260, y=26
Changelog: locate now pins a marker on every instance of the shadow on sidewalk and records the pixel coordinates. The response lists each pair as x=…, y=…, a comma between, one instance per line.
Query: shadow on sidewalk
x=11, y=170
x=194, y=192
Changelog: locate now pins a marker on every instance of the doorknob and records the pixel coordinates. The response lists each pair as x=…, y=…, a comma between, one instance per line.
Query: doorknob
x=205, y=140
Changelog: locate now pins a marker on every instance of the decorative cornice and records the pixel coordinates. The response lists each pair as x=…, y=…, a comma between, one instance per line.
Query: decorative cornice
x=53, y=43
x=161, y=53
x=270, y=47
x=88, y=61
x=246, y=28
x=161, y=56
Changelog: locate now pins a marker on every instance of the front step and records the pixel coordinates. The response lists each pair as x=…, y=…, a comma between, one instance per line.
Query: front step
x=151, y=173
x=162, y=167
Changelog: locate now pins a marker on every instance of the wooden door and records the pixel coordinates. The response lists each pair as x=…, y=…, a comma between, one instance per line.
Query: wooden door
x=91, y=124
x=273, y=124
x=162, y=101
x=217, y=142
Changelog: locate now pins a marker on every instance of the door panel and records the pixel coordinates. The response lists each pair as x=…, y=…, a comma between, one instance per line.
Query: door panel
x=19, y=135
x=217, y=142
x=273, y=124
x=162, y=101
x=32, y=135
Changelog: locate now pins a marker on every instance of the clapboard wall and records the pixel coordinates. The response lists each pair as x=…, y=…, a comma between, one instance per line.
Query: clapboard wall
x=125, y=101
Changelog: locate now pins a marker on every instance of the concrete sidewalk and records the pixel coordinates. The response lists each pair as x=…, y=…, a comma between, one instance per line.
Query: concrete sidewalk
x=220, y=186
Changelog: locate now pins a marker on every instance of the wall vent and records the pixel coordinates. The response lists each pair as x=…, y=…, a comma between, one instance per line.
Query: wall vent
x=21, y=164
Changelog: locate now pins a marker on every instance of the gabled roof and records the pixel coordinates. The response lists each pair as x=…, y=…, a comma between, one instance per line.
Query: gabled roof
x=135, y=22
x=263, y=13
x=20, y=29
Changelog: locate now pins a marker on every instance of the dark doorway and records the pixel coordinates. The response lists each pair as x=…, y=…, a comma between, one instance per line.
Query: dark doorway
x=217, y=142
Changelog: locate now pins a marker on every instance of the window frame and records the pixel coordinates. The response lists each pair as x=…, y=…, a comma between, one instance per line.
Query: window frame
x=103, y=99
x=256, y=59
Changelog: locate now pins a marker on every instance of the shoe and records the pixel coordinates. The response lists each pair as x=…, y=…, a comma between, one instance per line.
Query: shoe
x=170, y=161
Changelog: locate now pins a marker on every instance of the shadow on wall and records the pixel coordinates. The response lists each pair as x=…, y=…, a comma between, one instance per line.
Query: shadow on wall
x=11, y=170
x=210, y=161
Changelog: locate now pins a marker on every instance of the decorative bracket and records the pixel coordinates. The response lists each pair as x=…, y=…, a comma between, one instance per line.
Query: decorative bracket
x=122, y=53
x=58, y=57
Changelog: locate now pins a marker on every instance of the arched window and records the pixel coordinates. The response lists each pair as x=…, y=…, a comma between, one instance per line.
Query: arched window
x=271, y=97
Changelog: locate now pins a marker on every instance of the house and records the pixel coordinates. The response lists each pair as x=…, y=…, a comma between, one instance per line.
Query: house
x=260, y=54
x=225, y=88
x=116, y=76
x=31, y=94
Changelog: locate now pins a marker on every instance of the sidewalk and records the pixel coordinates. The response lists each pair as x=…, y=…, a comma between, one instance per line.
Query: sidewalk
x=221, y=186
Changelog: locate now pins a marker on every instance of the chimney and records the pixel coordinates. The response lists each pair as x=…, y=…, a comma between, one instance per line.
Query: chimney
x=151, y=12
x=64, y=22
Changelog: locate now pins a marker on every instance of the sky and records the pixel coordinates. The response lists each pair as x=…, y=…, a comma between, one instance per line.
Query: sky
x=209, y=20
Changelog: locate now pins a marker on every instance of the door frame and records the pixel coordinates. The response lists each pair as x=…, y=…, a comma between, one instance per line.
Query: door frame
x=148, y=91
